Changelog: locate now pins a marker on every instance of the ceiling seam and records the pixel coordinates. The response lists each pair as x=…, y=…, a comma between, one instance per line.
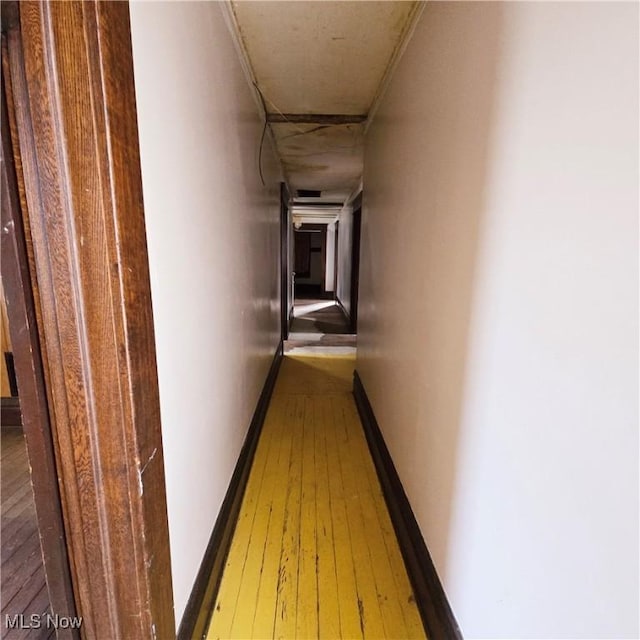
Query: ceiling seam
x=231, y=21
x=403, y=42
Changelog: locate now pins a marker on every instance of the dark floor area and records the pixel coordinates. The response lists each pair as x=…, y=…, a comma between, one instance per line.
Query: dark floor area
x=319, y=323
x=23, y=586
x=318, y=316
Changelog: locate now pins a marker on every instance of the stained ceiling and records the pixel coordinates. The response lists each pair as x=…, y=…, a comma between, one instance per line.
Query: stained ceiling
x=320, y=67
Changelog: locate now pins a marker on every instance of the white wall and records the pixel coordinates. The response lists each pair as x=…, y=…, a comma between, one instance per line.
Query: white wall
x=290, y=263
x=213, y=249
x=345, y=239
x=499, y=309
x=331, y=258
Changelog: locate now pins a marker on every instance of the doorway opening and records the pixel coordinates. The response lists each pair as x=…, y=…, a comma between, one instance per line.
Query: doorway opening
x=24, y=586
x=322, y=256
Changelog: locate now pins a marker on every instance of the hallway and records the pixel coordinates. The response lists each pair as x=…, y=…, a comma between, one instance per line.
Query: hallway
x=314, y=553
x=465, y=178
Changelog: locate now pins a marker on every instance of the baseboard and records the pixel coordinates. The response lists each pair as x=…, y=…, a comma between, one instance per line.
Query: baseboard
x=436, y=613
x=10, y=414
x=205, y=589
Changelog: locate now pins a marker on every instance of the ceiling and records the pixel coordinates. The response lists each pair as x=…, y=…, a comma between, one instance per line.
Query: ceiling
x=320, y=67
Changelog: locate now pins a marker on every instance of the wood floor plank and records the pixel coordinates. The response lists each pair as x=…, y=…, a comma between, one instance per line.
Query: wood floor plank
x=16, y=493
x=328, y=601
x=348, y=597
x=387, y=589
x=20, y=525
x=38, y=605
x=370, y=613
x=12, y=439
x=26, y=592
x=307, y=596
x=287, y=590
x=249, y=603
x=265, y=614
x=15, y=547
x=23, y=582
x=22, y=565
x=228, y=594
x=314, y=554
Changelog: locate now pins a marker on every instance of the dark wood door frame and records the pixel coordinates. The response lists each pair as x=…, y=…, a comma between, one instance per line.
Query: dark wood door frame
x=71, y=72
x=285, y=276
x=21, y=313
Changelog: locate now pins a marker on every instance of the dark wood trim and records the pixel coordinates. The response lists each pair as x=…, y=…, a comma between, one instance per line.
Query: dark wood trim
x=9, y=364
x=205, y=589
x=437, y=616
x=315, y=118
x=71, y=69
x=10, y=414
x=285, y=277
x=32, y=410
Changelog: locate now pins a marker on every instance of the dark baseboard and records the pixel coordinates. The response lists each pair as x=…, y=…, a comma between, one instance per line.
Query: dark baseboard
x=205, y=589
x=10, y=414
x=436, y=613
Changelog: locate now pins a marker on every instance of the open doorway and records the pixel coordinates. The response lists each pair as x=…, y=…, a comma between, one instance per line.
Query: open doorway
x=321, y=259
x=23, y=586
x=310, y=255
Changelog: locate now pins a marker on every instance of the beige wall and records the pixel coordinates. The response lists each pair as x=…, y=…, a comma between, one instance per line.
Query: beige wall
x=213, y=248
x=499, y=309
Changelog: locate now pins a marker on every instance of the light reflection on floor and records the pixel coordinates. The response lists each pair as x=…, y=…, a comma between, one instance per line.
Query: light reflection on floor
x=300, y=310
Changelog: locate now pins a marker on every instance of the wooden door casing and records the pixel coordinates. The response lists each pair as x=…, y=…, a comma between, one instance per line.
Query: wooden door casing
x=70, y=67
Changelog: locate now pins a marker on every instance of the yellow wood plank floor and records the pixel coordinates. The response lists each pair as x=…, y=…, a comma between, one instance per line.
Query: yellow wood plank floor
x=314, y=553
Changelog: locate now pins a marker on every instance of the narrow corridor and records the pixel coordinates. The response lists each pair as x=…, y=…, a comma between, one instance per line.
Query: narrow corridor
x=314, y=553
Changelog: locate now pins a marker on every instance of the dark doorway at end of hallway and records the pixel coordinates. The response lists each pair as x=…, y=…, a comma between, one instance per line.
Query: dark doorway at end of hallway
x=310, y=252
